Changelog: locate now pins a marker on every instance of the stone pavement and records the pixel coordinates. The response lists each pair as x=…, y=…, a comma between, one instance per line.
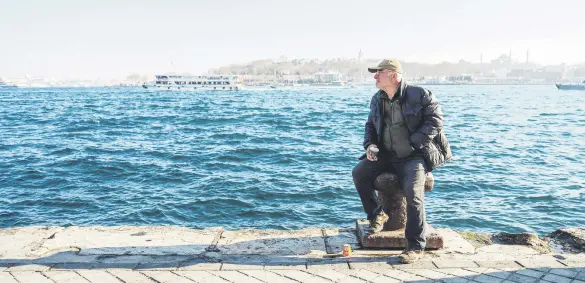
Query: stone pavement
x=338, y=272
x=176, y=254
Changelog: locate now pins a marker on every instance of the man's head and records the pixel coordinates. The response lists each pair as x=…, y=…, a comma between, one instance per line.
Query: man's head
x=387, y=74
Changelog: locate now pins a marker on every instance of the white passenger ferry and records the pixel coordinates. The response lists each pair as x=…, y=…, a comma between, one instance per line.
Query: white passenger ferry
x=177, y=82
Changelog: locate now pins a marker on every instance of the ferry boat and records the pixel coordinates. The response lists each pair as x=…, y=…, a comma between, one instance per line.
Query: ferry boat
x=580, y=86
x=178, y=82
x=330, y=84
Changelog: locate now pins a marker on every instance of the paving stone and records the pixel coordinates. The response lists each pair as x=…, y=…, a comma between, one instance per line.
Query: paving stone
x=361, y=273
x=200, y=265
x=556, y=278
x=129, y=276
x=316, y=279
x=416, y=265
x=541, y=263
x=542, y=269
x=460, y=272
x=498, y=264
x=31, y=276
x=385, y=279
x=201, y=276
x=330, y=274
x=580, y=276
x=267, y=276
x=100, y=276
x=511, y=269
x=428, y=273
x=497, y=273
x=294, y=274
x=522, y=278
x=244, y=259
x=455, y=280
x=235, y=266
x=566, y=272
x=111, y=266
x=165, y=276
x=403, y=275
x=235, y=276
x=65, y=276
x=487, y=279
x=71, y=266
x=6, y=277
x=325, y=265
x=29, y=267
x=530, y=272
x=455, y=263
x=479, y=270
x=350, y=279
x=158, y=266
x=375, y=265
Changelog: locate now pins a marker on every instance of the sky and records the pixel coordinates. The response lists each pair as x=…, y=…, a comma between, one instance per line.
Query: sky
x=107, y=39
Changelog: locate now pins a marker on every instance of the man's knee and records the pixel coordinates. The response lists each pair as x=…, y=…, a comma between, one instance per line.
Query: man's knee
x=361, y=172
x=413, y=182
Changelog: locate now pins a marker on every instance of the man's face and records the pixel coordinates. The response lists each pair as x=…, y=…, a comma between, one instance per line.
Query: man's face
x=385, y=78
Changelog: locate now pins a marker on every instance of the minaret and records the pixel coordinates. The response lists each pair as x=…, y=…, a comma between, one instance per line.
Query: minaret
x=527, y=56
x=361, y=69
x=481, y=58
x=510, y=57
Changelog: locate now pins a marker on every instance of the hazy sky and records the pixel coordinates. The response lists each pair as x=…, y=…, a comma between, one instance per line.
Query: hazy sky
x=111, y=39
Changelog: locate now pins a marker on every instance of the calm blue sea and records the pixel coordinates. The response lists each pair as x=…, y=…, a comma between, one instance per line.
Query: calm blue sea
x=278, y=158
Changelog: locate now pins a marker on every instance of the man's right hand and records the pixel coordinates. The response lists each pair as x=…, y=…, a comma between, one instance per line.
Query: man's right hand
x=369, y=154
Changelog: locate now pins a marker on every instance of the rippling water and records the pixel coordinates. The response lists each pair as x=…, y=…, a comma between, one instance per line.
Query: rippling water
x=278, y=158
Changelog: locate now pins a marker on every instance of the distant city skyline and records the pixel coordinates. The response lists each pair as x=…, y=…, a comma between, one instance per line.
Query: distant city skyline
x=67, y=39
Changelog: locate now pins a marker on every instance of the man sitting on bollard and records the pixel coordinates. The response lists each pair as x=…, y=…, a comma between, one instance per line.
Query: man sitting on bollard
x=403, y=135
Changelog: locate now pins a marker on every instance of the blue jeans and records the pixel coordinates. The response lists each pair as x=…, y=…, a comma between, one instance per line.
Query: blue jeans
x=411, y=174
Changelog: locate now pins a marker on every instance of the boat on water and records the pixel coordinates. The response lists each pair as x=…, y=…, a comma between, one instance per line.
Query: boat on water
x=178, y=82
x=579, y=86
x=330, y=84
x=4, y=85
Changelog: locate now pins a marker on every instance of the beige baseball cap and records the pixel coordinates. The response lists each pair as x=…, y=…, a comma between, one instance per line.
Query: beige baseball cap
x=389, y=64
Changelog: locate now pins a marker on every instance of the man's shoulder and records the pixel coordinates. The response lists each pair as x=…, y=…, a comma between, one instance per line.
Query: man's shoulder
x=416, y=89
x=414, y=93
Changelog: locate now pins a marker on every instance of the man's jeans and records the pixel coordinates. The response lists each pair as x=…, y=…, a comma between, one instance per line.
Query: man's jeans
x=411, y=174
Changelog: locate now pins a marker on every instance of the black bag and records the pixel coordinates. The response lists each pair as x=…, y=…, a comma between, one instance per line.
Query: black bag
x=437, y=152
